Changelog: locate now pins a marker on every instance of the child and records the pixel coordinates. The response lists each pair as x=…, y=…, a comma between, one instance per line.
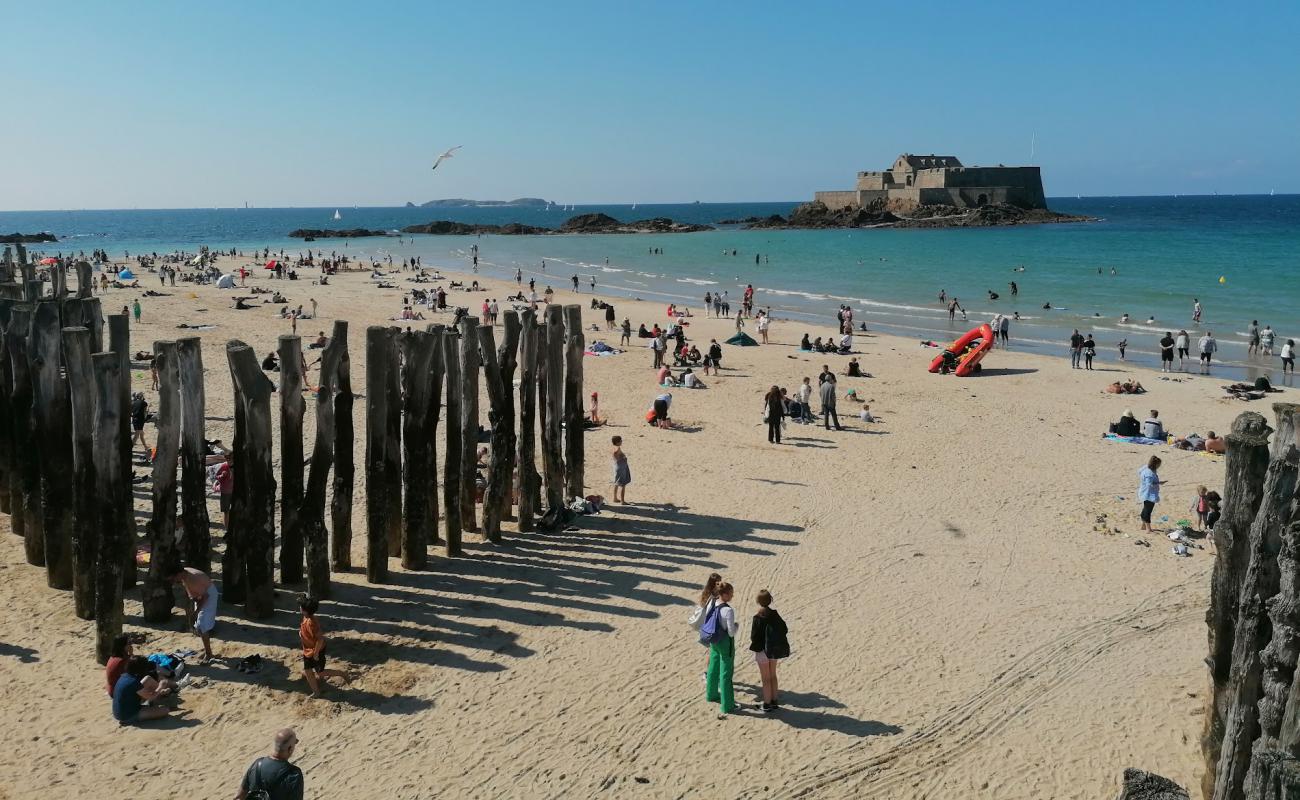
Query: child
x=768, y=643
x=622, y=473
x=313, y=648
x=1201, y=506
x=865, y=413
x=722, y=654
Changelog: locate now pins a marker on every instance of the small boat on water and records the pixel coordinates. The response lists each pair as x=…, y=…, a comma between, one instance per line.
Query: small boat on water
x=337, y=215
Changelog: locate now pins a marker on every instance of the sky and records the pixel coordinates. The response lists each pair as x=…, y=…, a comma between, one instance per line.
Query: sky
x=180, y=105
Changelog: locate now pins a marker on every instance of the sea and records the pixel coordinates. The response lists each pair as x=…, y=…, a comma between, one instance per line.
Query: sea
x=1151, y=258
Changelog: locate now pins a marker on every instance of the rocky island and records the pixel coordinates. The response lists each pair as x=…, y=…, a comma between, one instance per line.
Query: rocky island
x=27, y=238
x=582, y=223
x=876, y=215
x=349, y=233
x=460, y=202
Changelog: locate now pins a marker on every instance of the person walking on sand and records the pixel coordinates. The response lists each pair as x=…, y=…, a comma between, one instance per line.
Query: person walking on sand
x=139, y=413
x=1149, y=490
x=719, y=632
x=769, y=643
x=274, y=777
x=1208, y=346
x=625, y=338
x=773, y=414
x=201, y=604
x=313, y=648
x=1089, y=350
x=622, y=472
x=827, y=391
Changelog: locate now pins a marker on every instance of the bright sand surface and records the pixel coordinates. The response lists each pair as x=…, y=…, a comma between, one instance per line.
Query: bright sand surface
x=959, y=626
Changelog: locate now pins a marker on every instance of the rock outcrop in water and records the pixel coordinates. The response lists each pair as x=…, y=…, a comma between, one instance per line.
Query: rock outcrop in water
x=27, y=238
x=876, y=215
x=350, y=233
x=582, y=223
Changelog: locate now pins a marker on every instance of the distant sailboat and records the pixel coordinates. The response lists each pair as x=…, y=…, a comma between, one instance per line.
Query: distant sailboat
x=634, y=206
x=337, y=215
x=1272, y=192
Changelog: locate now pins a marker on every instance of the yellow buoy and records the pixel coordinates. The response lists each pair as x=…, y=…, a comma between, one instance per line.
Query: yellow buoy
x=1222, y=279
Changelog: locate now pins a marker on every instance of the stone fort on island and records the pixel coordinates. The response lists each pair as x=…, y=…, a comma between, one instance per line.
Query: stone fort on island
x=940, y=181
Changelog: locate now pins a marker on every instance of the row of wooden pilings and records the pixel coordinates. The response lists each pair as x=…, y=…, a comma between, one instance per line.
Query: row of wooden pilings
x=65, y=448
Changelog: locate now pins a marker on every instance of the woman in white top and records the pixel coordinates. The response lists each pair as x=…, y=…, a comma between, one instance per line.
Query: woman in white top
x=722, y=654
x=1288, y=356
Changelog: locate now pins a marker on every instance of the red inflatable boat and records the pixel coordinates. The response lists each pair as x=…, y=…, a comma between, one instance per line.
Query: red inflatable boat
x=966, y=352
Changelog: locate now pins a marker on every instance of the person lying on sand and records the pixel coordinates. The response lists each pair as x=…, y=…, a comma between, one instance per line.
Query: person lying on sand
x=1127, y=387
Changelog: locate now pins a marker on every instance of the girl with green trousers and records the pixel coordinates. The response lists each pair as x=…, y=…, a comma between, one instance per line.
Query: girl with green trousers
x=722, y=655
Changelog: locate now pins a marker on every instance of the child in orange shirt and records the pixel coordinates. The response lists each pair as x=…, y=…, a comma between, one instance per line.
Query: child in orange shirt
x=313, y=648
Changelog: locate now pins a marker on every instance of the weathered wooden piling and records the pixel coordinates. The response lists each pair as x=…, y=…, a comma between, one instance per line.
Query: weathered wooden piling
x=436, y=372
x=119, y=339
x=6, y=414
x=26, y=442
x=311, y=515
x=9, y=424
x=156, y=595
x=344, y=457
x=85, y=512
x=552, y=432
x=85, y=279
x=378, y=365
x=451, y=473
x=393, y=448
x=529, y=480
x=574, y=427
x=292, y=407
x=257, y=537
x=417, y=446
x=469, y=422
x=508, y=362
x=195, y=537
x=498, y=480
x=53, y=414
x=111, y=495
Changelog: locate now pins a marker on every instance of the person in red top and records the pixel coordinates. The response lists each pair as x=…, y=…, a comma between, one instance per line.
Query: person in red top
x=225, y=486
x=313, y=648
x=116, y=666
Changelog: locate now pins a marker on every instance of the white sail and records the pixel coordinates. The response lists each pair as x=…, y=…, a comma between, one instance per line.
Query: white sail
x=337, y=215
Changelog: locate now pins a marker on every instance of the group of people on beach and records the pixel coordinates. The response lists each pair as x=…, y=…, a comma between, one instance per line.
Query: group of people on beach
x=714, y=620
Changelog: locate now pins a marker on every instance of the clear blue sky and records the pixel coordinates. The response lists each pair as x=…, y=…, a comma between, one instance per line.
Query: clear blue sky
x=184, y=104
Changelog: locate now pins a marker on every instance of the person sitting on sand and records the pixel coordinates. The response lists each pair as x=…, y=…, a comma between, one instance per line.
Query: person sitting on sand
x=271, y=363
x=804, y=344
x=691, y=381
x=865, y=414
x=665, y=376
x=1127, y=425
x=313, y=648
x=1153, y=428
x=133, y=690
x=321, y=341
x=693, y=355
x=1215, y=444
x=853, y=370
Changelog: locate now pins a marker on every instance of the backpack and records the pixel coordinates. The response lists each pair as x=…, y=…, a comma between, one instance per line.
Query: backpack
x=714, y=630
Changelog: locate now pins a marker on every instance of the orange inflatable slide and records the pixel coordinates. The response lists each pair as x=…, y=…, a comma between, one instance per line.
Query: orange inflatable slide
x=966, y=353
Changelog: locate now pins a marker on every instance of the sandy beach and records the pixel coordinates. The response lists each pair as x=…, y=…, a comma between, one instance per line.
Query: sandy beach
x=960, y=627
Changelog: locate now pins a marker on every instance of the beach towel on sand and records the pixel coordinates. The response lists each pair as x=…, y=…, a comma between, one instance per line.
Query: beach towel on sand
x=1133, y=439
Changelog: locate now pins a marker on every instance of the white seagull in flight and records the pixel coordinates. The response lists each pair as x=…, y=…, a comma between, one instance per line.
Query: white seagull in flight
x=445, y=155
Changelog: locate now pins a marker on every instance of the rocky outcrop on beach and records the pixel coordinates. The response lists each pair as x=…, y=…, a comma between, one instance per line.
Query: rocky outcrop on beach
x=1142, y=785
x=817, y=215
x=27, y=238
x=350, y=233
x=582, y=223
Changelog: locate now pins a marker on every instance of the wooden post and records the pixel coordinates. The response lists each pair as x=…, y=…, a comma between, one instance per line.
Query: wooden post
x=393, y=446
x=27, y=446
x=417, y=450
x=529, y=480
x=119, y=337
x=469, y=416
x=436, y=371
x=311, y=515
x=451, y=466
x=54, y=431
x=85, y=280
x=156, y=595
x=507, y=361
x=14, y=437
x=497, y=492
x=292, y=407
x=377, y=488
x=6, y=413
x=111, y=491
x=92, y=314
x=344, y=459
x=574, y=430
x=552, y=440
x=59, y=280
x=34, y=290
x=85, y=518
x=195, y=537
x=253, y=394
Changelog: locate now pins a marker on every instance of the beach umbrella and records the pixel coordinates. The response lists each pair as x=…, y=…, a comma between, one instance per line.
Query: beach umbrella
x=196, y=260
x=48, y=261
x=271, y=264
x=126, y=275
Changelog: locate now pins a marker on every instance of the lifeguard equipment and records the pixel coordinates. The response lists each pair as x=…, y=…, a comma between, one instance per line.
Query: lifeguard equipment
x=965, y=354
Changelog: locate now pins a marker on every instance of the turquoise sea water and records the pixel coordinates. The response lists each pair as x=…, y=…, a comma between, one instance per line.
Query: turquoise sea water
x=1165, y=251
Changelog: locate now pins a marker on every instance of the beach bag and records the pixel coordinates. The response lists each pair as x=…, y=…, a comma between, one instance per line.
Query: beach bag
x=775, y=641
x=696, y=619
x=713, y=630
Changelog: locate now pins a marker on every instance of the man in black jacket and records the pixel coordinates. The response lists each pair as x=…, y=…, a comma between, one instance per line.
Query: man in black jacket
x=274, y=776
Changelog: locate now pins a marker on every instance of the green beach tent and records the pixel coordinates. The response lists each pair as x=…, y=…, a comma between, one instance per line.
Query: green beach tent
x=743, y=339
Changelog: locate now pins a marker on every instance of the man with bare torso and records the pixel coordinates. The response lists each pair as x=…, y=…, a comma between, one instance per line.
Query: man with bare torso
x=201, y=604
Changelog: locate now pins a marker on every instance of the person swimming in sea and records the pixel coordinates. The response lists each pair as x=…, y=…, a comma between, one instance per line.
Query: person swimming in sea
x=1047, y=306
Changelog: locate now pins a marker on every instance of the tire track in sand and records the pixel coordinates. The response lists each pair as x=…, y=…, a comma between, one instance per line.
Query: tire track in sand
x=1029, y=680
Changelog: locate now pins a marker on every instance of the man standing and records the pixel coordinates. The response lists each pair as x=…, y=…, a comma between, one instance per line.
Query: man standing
x=657, y=344
x=201, y=608
x=827, y=391
x=575, y=282
x=1253, y=333
x=275, y=776
x=1004, y=330
x=1076, y=348
x=1208, y=346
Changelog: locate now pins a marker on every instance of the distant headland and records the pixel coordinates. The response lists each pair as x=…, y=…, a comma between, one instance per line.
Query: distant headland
x=27, y=238
x=459, y=202
x=582, y=223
